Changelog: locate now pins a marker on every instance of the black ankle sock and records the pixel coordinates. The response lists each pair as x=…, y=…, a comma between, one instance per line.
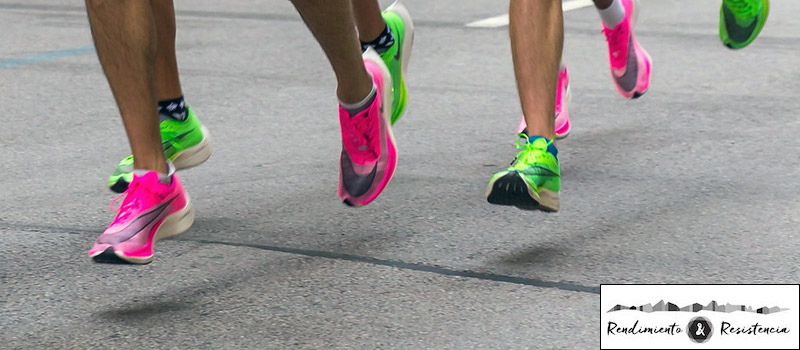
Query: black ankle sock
x=382, y=43
x=175, y=109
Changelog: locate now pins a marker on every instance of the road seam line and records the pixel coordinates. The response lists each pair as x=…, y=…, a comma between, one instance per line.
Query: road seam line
x=486, y=276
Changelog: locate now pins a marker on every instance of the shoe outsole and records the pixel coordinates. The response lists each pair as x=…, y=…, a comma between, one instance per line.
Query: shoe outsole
x=120, y=186
x=173, y=225
x=195, y=155
x=109, y=257
x=511, y=189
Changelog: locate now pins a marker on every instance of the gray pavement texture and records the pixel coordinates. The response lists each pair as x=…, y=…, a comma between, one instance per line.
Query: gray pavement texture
x=694, y=183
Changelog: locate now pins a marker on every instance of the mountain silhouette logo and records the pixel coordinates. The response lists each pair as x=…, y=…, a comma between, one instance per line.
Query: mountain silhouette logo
x=695, y=307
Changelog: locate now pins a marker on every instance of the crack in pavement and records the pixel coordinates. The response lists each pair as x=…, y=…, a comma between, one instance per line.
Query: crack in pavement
x=439, y=270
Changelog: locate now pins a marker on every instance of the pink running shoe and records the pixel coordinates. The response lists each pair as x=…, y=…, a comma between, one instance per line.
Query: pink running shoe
x=630, y=63
x=563, y=96
x=368, y=148
x=151, y=211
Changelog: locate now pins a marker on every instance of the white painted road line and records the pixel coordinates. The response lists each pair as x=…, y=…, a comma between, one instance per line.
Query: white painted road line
x=502, y=20
x=491, y=22
x=576, y=4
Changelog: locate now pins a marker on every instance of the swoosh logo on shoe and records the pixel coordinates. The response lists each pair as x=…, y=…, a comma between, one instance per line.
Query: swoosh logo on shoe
x=735, y=31
x=538, y=171
x=168, y=145
x=627, y=81
x=356, y=185
x=137, y=225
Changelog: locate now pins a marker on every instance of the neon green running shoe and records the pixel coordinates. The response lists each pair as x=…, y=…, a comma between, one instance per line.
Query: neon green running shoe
x=740, y=21
x=397, y=56
x=533, y=180
x=186, y=144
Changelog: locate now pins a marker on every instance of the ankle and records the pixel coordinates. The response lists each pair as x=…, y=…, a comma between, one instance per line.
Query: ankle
x=381, y=43
x=354, y=108
x=158, y=165
x=547, y=133
x=612, y=14
x=354, y=90
x=164, y=177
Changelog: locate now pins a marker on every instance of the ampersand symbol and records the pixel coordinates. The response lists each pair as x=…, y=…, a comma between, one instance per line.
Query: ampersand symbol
x=700, y=330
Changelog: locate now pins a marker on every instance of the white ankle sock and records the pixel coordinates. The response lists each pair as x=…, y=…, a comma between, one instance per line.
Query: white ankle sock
x=358, y=107
x=613, y=15
x=163, y=178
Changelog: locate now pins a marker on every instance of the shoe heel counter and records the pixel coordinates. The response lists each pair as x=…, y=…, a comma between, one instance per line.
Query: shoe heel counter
x=181, y=198
x=554, y=184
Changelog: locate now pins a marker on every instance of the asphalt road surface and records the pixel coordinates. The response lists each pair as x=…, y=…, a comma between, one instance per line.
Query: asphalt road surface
x=696, y=182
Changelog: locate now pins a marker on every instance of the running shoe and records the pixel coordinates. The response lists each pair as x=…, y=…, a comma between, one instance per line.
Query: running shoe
x=533, y=180
x=740, y=21
x=151, y=211
x=186, y=143
x=563, y=96
x=398, y=56
x=630, y=63
x=368, y=148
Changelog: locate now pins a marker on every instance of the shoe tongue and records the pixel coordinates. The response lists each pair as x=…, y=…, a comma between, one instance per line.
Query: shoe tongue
x=543, y=143
x=538, y=141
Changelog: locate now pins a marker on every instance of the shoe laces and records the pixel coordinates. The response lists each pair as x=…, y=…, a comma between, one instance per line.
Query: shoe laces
x=360, y=132
x=743, y=8
x=616, y=39
x=528, y=150
x=133, y=201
